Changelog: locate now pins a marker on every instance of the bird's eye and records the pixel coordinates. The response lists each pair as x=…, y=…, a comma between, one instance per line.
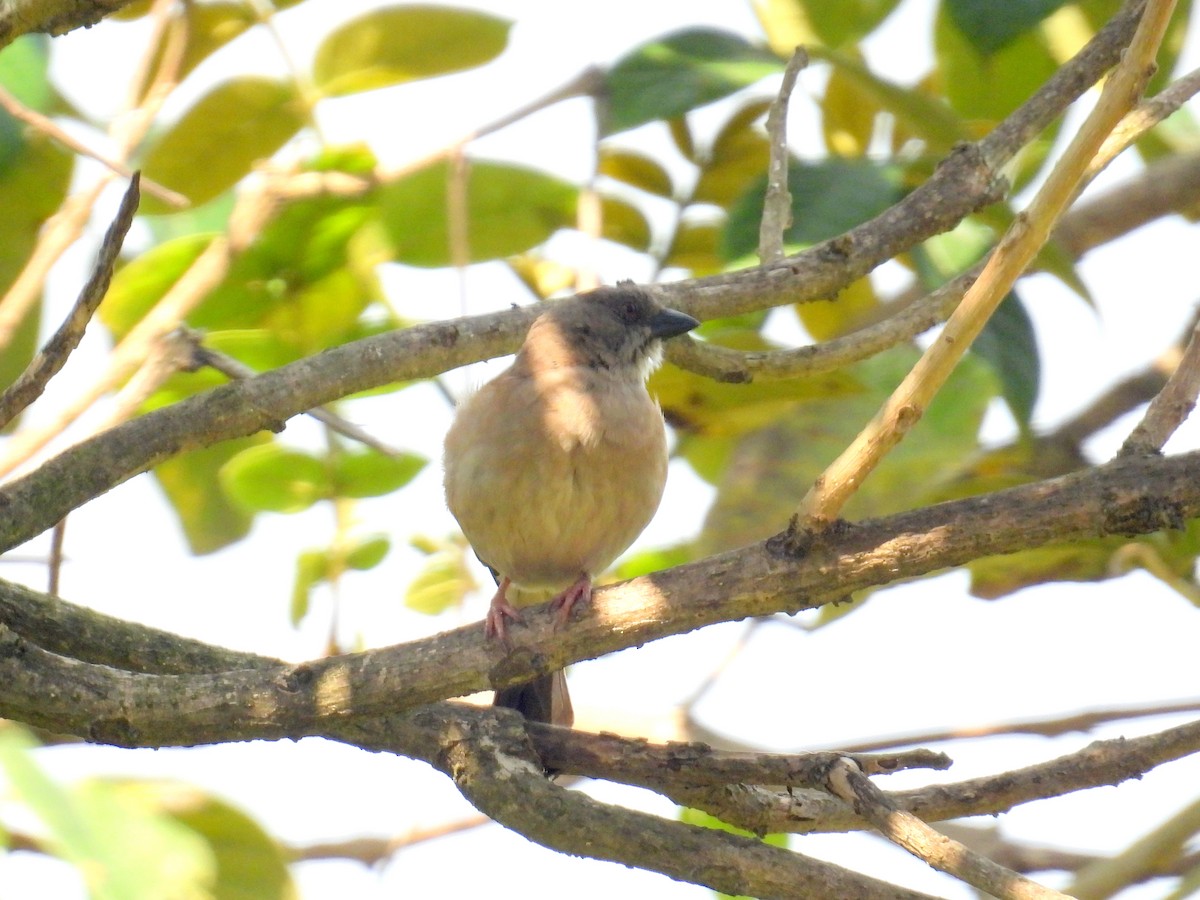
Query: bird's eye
x=629, y=309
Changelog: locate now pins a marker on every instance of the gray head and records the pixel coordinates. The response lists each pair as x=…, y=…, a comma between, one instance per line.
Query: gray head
x=608, y=328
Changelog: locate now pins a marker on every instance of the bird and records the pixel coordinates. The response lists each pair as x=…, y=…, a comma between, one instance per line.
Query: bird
x=554, y=467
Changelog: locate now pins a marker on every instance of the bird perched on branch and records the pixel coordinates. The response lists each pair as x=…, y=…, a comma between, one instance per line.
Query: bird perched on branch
x=554, y=467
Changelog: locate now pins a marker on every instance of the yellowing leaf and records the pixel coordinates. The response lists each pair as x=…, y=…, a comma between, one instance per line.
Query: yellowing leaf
x=624, y=223
x=404, y=43
x=848, y=115
x=697, y=405
x=825, y=319
x=636, y=170
x=696, y=248
x=738, y=157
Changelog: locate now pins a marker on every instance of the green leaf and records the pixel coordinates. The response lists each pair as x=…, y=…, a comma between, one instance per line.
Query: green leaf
x=312, y=568
x=272, y=478
x=655, y=560
x=701, y=819
x=207, y=218
x=1008, y=343
x=367, y=553
x=24, y=71
x=993, y=577
x=306, y=278
x=249, y=863
x=122, y=848
x=828, y=197
x=833, y=23
x=405, y=43
x=369, y=473
x=140, y=284
x=219, y=140
x=444, y=579
x=772, y=466
x=680, y=72
x=209, y=520
x=509, y=210
x=33, y=184
x=990, y=26
x=986, y=87
x=209, y=26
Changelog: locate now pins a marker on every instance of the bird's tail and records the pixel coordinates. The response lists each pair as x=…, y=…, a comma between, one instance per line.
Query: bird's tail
x=545, y=699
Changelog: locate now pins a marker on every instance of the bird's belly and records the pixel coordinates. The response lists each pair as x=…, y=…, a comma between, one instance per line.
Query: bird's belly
x=578, y=511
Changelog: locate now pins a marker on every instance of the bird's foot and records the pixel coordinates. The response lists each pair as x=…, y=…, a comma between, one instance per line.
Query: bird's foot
x=579, y=592
x=500, y=610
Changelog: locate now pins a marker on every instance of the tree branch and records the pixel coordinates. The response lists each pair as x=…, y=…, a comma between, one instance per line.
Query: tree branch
x=1128, y=496
x=489, y=757
x=847, y=782
x=639, y=762
x=50, y=360
x=804, y=812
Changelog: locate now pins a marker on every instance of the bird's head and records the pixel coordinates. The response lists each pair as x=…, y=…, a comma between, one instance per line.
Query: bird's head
x=608, y=328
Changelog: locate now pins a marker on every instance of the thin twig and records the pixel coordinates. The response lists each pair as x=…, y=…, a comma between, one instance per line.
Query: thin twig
x=47, y=126
x=1027, y=234
x=65, y=226
x=847, y=782
x=130, y=354
x=50, y=359
x=639, y=762
x=1171, y=406
x=1142, y=118
x=54, y=563
x=777, y=204
x=375, y=850
x=1054, y=726
x=1105, y=877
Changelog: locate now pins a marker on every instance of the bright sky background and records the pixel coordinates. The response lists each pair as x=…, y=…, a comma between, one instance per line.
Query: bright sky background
x=922, y=657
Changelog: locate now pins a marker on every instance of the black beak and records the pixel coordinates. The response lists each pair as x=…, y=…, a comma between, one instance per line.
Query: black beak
x=667, y=323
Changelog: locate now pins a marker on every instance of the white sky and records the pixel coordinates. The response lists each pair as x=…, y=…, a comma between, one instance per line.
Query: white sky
x=1050, y=650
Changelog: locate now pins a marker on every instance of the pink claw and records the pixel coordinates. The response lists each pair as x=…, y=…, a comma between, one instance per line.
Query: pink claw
x=579, y=591
x=494, y=625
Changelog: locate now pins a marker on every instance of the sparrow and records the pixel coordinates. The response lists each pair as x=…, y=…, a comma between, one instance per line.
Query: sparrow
x=554, y=467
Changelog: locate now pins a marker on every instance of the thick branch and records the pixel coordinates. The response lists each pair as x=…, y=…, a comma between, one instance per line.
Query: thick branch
x=492, y=763
x=1135, y=496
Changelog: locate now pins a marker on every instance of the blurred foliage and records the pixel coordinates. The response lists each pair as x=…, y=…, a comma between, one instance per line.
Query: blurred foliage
x=309, y=280
x=145, y=840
